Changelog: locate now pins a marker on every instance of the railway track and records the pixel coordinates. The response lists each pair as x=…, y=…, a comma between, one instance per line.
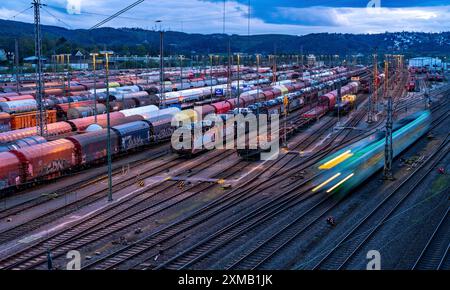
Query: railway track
x=436, y=250
x=120, y=262
x=142, y=247
x=122, y=215
x=261, y=212
x=97, y=195
x=342, y=253
x=262, y=251
x=46, y=196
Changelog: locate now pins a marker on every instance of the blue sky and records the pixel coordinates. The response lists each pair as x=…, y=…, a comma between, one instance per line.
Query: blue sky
x=267, y=16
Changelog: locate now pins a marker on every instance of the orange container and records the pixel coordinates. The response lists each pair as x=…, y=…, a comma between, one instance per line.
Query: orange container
x=28, y=119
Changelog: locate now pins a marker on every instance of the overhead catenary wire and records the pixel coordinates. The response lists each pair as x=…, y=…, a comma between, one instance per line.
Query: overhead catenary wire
x=203, y=17
x=116, y=14
x=21, y=12
x=57, y=19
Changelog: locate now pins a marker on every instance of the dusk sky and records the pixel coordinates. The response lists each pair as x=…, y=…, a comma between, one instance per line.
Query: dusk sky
x=267, y=16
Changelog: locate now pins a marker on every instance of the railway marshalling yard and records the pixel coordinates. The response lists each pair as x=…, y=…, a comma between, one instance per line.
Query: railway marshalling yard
x=216, y=210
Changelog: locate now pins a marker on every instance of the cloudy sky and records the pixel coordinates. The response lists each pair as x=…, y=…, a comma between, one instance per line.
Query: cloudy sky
x=266, y=16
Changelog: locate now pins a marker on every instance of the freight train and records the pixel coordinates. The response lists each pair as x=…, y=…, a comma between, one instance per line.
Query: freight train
x=326, y=103
x=49, y=160
x=269, y=101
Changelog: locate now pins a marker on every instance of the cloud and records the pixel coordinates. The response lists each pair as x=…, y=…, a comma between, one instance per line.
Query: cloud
x=205, y=16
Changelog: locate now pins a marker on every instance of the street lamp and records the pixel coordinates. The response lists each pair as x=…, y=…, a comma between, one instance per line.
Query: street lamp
x=108, y=124
x=94, y=63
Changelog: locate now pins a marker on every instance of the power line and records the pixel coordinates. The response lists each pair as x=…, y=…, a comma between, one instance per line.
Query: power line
x=57, y=19
x=202, y=17
x=117, y=14
x=23, y=11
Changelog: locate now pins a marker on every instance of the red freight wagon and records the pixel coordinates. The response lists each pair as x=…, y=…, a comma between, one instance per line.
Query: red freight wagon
x=5, y=122
x=316, y=112
x=58, y=128
x=90, y=147
x=222, y=107
x=246, y=100
x=205, y=110
x=234, y=102
x=11, y=136
x=75, y=88
x=62, y=109
x=276, y=92
x=28, y=119
x=120, y=121
x=4, y=95
x=31, y=92
x=79, y=93
x=329, y=99
x=21, y=97
x=53, y=92
x=290, y=88
x=81, y=124
x=48, y=159
x=10, y=170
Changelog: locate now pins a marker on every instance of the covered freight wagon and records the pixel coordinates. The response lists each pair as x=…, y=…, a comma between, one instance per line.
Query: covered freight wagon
x=140, y=111
x=81, y=112
x=133, y=135
x=10, y=173
x=5, y=120
x=20, y=97
x=18, y=106
x=91, y=147
x=222, y=107
x=47, y=160
x=22, y=143
x=80, y=124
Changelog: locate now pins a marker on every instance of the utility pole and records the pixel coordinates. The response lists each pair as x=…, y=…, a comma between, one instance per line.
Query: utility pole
x=386, y=77
x=68, y=77
x=108, y=122
x=16, y=62
x=257, y=73
x=301, y=66
x=229, y=76
x=373, y=98
x=181, y=70
x=210, y=75
x=94, y=65
x=388, y=151
x=223, y=20
x=41, y=120
x=339, y=98
x=161, y=63
x=238, y=76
